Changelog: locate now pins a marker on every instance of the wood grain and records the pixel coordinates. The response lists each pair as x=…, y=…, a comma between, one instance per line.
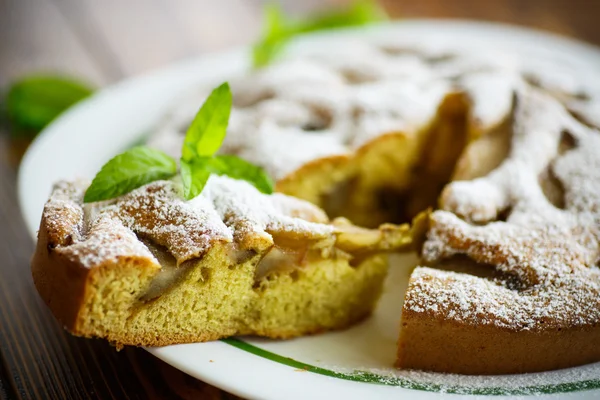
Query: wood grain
x=105, y=41
x=35, y=37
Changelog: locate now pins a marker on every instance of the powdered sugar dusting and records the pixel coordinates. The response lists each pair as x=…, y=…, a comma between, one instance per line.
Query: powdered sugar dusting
x=108, y=241
x=226, y=211
x=334, y=100
x=330, y=104
x=63, y=214
x=159, y=212
x=550, y=251
x=241, y=206
x=570, y=379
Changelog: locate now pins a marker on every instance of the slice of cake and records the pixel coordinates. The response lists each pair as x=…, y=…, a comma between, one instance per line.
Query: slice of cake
x=152, y=269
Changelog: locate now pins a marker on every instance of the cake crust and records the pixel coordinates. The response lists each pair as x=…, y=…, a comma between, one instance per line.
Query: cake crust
x=430, y=342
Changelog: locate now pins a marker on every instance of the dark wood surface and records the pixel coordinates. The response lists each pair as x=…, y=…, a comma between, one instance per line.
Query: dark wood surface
x=103, y=41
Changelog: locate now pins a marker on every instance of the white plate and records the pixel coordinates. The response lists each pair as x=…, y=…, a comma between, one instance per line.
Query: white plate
x=355, y=363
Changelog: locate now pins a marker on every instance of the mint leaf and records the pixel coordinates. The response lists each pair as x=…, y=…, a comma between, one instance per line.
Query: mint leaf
x=238, y=168
x=279, y=30
x=203, y=139
x=140, y=165
x=130, y=170
x=194, y=175
x=359, y=13
x=208, y=129
x=274, y=35
x=33, y=102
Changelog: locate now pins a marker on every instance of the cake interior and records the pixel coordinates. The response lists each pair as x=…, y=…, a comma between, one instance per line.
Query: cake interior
x=393, y=178
x=243, y=294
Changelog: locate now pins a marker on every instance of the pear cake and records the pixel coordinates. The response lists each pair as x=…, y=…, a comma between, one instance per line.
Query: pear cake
x=152, y=269
x=504, y=149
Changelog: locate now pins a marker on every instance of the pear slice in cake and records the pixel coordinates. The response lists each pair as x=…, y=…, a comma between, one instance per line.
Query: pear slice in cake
x=151, y=269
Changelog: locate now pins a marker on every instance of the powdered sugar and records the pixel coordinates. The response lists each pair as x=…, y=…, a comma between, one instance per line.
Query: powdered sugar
x=241, y=206
x=544, y=253
x=225, y=211
x=335, y=100
x=571, y=379
x=551, y=251
x=108, y=241
x=159, y=212
x=62, y=213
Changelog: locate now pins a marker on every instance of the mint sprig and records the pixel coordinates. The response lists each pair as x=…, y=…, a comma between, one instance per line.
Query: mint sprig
x=33, y=102
x=195, y=173
x=279, y=29
x=141, y=165
x=238, y=168
x=204, y=138
x=208, y=129
x=130, y=170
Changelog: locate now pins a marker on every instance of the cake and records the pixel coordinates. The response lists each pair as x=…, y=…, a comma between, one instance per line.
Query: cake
x=151, y=269
x=510, y=281
x=504, y=149
x=339, y=138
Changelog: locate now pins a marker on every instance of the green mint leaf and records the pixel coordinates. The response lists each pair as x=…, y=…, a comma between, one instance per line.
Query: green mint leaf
x=194, y=175
x=130, y=170
x=359, y=13
x=208, y=129
x=238, y=168
x=279, y=30
x=274, y=36
x=33, y=102
x=203, y=139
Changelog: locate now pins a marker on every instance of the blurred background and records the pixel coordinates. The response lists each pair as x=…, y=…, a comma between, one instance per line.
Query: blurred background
x=102, y=42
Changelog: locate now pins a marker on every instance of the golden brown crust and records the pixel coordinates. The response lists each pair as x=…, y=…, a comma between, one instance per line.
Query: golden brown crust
x=60, y=282
x=66, y=285
x=433, y=343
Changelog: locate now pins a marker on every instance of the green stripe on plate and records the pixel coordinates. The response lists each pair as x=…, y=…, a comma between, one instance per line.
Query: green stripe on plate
x=369, y=377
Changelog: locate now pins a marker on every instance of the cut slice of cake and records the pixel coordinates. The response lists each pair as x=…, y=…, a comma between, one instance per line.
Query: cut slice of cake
x=152, y=269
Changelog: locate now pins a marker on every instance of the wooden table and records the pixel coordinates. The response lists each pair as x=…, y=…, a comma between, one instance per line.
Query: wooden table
x=104, y=41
